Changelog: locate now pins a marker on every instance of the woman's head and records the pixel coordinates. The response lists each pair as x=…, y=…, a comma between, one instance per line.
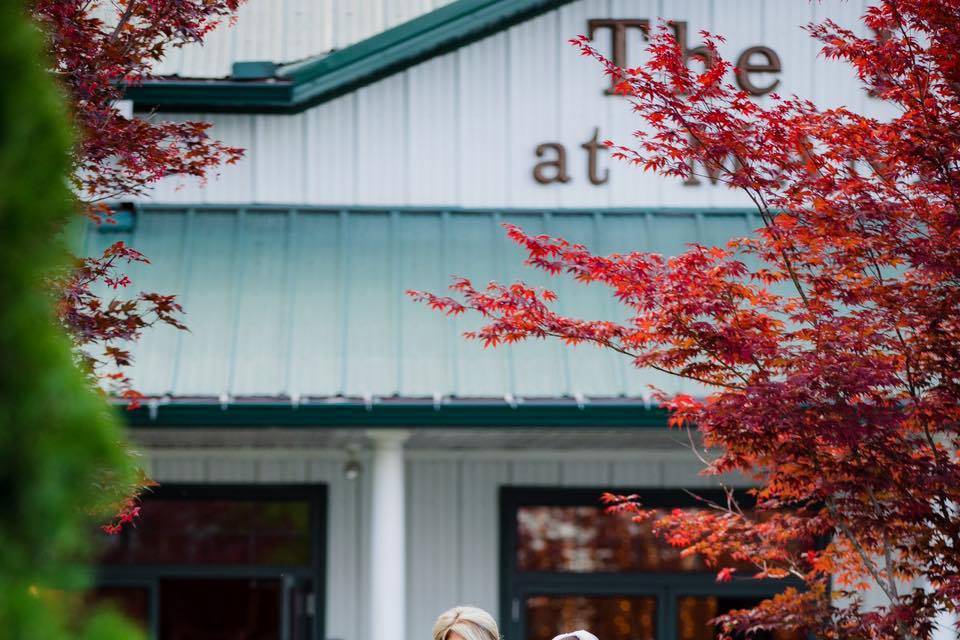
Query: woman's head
x=466, y=623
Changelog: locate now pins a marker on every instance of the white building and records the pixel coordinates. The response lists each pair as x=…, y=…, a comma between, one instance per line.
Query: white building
x=387, y=164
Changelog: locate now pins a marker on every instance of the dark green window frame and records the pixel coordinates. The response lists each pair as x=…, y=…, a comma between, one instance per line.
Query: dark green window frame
x=148, y=576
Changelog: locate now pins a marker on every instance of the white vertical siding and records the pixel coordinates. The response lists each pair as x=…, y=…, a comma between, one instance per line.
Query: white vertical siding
x=308, y=28
x=584, y=473
x=235, y=182
x=533, y=74
x=431, y=120
x=483, y=129
x=453, y=520
x=462, y=129
x=835, y=83
x=175, y=188
x=644, y=471
x=256, y=30
x=177, y=468
x=281, y=147
x=230, y=470
x=536, y=473
x=629, y=185
x=480, y=482
x=330, y=141
x=433, y=542
x=289, y=30
x=382, y=167
x=580, y=102
x=282, y=470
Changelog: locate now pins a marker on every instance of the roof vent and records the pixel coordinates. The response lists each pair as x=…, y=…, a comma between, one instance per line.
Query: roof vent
x=253, y=70
x=122, y=219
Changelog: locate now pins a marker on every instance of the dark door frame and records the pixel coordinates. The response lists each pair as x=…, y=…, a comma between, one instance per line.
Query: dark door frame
x=148, y=576
x=516, y=586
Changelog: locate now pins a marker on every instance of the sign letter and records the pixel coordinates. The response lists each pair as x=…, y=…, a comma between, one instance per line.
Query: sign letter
x=701, y=53
x=593, y=147
x=558, y=164
x=745, y=68
x=618, y=29
x=715, y=172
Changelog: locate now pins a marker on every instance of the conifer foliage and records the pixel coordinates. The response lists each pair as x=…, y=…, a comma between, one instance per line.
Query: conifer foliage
x=827, y=341
x=58, y=439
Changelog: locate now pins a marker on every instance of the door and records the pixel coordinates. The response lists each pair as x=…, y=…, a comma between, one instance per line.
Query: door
x=223, y=562
x=566, y=565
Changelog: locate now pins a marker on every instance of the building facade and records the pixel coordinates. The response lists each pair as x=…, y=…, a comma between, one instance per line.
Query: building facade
x=335, y=460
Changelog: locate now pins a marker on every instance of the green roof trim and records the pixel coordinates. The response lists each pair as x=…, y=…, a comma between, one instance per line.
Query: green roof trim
x=400, y=415
x=301, y=85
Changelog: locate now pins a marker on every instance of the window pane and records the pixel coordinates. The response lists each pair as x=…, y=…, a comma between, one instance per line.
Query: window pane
x=219, y=609
x=585, y=539
x=694, y=614
x=204, y=532
x=607, y=617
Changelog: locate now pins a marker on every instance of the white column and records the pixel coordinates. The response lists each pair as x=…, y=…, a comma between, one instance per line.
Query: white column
x=388, y=577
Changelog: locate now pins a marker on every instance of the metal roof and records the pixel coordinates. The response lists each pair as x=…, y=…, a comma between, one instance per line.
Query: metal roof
x=306, y=306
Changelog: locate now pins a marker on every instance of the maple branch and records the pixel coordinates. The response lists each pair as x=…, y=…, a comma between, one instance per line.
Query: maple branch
x=122, y=22
x=861, y=552
x=887, y=550
x=713, y=354
x=611, y=345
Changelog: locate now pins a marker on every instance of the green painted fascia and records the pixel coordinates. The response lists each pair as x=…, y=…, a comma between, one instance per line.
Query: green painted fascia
x=305, y=84
x=212, y=96
x=503, y=211
x=333, y=415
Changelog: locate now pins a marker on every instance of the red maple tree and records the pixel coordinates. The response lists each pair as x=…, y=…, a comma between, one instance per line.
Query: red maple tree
x=831, y=368
x=96, y=48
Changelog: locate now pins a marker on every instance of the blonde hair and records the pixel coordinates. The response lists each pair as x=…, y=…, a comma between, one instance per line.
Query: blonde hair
x=470, y=623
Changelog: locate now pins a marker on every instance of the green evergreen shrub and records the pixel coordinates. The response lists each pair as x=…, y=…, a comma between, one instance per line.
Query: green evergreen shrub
x=58, y=438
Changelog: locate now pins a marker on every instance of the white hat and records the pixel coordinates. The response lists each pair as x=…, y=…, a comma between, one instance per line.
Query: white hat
x=579, y=635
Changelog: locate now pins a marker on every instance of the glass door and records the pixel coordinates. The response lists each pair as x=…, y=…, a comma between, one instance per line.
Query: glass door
x=606, y=616
x=566, y=565
x=220, y=609
x=212, y=563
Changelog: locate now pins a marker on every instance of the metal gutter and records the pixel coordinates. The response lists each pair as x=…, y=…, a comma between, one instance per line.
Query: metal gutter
x=400, y=414
x=214, y=96
x=301, y=85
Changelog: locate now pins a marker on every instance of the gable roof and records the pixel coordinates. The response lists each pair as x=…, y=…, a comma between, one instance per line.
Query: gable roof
x=298, y=86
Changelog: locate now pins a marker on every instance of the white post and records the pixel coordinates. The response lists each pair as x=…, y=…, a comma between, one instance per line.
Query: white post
x=388, y=578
